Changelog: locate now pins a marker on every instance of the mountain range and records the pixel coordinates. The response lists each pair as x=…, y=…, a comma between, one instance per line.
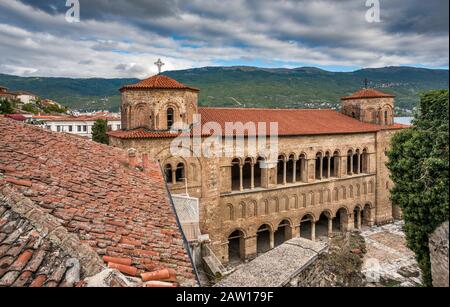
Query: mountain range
x=241, y=86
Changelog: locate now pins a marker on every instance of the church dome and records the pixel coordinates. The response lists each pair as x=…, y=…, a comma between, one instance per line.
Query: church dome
x=158, y=82
x=368, y=93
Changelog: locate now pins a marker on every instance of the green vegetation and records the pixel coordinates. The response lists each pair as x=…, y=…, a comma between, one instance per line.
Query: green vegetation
x=419, y=162
x=247, y=87
x=6, y=106
x=99, y=131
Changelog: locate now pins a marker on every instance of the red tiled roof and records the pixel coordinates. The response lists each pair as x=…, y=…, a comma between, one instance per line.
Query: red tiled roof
x=291, y=122
x=18, y=117
x=368, y=93
x=106, y=203
x=158, y=82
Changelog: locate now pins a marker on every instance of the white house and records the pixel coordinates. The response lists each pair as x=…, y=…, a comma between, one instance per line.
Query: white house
x=79, y=125
x=26, y=97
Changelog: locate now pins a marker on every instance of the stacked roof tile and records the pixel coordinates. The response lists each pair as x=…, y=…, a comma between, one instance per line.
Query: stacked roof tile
x=368, y=93
x=96, y=195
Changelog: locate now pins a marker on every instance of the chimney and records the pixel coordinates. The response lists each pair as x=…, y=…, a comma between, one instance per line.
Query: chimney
x=145, y=163
x=132, y=157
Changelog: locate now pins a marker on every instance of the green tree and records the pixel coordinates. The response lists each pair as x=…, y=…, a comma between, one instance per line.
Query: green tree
x=99, y=131
x=419, y=162
x=6, y=107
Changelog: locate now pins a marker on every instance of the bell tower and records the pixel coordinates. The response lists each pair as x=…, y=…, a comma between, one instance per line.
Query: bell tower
x=370, y=106
x=158, y=103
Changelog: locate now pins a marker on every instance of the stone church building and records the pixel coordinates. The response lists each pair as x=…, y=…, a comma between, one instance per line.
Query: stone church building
x=330, y=174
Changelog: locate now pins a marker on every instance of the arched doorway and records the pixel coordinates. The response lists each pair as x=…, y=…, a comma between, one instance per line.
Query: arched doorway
x=236, y=252
x=366, y=216
x=235, y=175
x=280, y=170
x=258, y=172
x=263, y=239
x=357, y=218
x=307, y=227
x=247, y=174
x=322, y=225
x=283, y=233
x=340, y=222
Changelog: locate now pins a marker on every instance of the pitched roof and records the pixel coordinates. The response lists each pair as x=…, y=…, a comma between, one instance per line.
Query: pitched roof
x=67, y=118
x=368, y=93
x=291, y=122
x=158, y=82
x=95, y=193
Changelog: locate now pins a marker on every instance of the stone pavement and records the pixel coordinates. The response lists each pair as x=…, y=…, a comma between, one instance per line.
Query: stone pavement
x=276, y=267
x=388, y=260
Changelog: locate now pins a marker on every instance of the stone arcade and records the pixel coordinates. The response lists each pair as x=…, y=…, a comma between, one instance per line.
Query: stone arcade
x=330, y=174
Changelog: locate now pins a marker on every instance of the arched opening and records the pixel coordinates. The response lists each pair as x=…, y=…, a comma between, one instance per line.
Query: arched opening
x=263, y=239
x=334, y=165
x=365, y=162
x=306, y=227
x=357, y=218
x=319, y=165
x=235, y=175
x=366, y=215
x=247, y=173
x=258, y=172
x=386, y=117
x=168, y=173
x=322, y=225
x=180, y=173
x=170, y=118
x=300, y=169
x=290, y=169
x=283, y=233
x=350, y=162
x=236, y=245
x=280, y=170
x=340, y=222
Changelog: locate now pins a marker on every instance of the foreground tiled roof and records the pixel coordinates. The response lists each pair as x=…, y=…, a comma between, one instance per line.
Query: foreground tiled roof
x=158, y=82
x=368, y=93
x=291, y=122
x=95, y=194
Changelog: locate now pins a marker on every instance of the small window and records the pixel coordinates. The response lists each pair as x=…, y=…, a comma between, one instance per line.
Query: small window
x=70, y=128
x=168, y=173
x=110, y=127
x=170, y=117
x=180, y=173
x=58, y=128
x=386, y=119
x=79, y=128
x=84, y=128
x=353, y=115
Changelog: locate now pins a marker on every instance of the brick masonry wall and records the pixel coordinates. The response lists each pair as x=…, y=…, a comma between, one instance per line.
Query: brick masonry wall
x=439, y=256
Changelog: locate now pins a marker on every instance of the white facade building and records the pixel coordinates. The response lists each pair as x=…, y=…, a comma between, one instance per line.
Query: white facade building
x=26, y=98
x=79, y=125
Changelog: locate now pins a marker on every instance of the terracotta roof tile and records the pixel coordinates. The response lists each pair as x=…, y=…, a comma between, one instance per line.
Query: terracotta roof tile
x=93, y=194
x=368, y=93
x=158, y=82
x=291, y=122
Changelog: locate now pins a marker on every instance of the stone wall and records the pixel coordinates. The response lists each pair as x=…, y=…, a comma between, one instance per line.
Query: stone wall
x=439, y=256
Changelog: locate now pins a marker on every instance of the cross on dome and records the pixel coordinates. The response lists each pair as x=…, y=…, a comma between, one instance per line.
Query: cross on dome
x=160, y=64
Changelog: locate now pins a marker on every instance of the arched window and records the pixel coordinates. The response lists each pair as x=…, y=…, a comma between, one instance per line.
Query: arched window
x=168, y=173
x=386, y=117
x=170, y=118
x=180, y=173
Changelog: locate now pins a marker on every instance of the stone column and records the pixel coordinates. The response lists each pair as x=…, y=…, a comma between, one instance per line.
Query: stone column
x=359, y=219
x=359, y=164
x=174, y=176
x=272, y=240
x=284, y=172
x=294, y=175
x=241, y=179
x=305, y=171
x=351, y=165
x=252, y=183
x=296, y=231
x=313, y=231
x=330, y=227
x=250, y=248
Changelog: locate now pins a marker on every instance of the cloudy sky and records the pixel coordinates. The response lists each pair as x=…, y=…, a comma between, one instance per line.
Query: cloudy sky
x=124, y=38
